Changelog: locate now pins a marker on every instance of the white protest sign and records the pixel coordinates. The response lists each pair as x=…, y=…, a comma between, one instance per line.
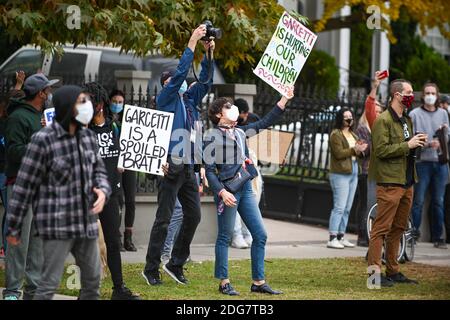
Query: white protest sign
x=144, y=139
x=286, y=54
x=49, y=114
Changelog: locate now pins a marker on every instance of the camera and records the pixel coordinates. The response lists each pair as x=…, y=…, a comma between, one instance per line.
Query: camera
x=211, y=31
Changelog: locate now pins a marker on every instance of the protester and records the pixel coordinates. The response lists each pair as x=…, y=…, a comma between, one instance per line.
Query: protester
x=367, y=188
x=24, y=262
x=392, y=166
x=129, y=178
x=245, y=116
x=433, y=175
x=15, y=92
x=345, y=147
x=108, y=144
x=225, y=155
x=444, y=102
x=242, y=239
x=63, y=177
x=179, y=180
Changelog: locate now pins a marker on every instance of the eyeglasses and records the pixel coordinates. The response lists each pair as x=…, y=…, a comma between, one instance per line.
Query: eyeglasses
x=228, y=106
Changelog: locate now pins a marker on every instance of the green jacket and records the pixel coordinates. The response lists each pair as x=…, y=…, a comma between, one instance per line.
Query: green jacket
x=23, y=121
x=390, y=151
x=341, y=153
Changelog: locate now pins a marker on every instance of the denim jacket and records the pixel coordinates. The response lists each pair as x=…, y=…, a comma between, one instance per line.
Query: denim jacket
x=222, y=153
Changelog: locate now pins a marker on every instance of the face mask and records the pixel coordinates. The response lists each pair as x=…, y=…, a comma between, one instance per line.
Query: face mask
x=85, y=113
x=232, y=114
x=349, y=122
x=183, y=88
x=116, y=107
x=407, y=100
x=430, y=99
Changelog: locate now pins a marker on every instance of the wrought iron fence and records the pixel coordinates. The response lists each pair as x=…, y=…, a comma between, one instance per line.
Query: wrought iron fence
x=310, y=115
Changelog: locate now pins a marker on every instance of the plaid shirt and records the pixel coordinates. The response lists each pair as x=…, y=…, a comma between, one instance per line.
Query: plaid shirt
x=50, y=177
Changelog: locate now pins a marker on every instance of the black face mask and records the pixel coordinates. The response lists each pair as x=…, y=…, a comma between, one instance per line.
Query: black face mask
x=349, y=122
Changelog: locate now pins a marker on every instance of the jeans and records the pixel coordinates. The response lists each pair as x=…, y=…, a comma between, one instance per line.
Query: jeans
x=240, y=229
x=433, y=176
x=447, y=212
x=110, y=220
x=87, y=258
x=3, y=195
x=250, y=214
x=344, y=188
x=173, y=229
x=24, y=261
x=179, y=182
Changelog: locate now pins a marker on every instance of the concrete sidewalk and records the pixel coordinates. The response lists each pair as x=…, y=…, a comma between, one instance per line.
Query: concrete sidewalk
x=299, y=241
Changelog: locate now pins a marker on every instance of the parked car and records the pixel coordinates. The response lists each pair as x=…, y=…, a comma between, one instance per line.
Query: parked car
x=89, y=63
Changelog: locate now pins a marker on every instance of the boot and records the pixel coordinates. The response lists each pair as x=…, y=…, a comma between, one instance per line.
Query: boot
x=127, y=241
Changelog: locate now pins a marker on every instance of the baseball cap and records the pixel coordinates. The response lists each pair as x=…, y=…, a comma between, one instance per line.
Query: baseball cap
x=37, y=82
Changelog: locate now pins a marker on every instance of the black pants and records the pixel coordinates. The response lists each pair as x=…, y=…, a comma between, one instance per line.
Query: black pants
x=447, y=212
x=361, y=209
x=110, y=220
x=129, y=192
x=181, y=182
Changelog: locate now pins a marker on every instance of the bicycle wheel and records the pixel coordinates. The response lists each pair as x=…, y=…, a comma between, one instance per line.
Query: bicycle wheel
x=410, y=242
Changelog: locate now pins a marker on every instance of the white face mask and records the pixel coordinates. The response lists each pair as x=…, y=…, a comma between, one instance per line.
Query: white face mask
x=232, y=114
x=85, y=112
x=430, y=99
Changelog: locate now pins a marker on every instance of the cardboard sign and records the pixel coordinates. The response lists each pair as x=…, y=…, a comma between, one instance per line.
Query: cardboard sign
x=49, y=114
x=286, y=54
x=144, y=139
x=271, y=145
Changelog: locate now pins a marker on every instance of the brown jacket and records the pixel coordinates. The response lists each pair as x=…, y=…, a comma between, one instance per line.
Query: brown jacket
x=341, y=153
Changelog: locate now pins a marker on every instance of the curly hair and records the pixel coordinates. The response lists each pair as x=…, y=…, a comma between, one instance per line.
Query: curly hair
x=216, y=108
x=97, y=92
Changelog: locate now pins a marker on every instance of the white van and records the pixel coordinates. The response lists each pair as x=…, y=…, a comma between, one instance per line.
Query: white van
x=89, y=63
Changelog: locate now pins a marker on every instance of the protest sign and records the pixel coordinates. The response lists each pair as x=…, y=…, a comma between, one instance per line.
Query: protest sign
x=144, y=139
x=49, y=114
x=271, y=146
x=286, y=54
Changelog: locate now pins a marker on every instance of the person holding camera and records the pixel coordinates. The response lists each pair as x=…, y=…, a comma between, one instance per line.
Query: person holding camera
x=180, y=180
x=392, y=166
x=229, y=171
x=431, y=169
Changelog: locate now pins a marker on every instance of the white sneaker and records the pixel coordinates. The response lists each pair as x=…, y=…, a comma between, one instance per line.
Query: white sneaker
x=239, y=243
x=346, y=243
x=335, y=244
x=249, y=240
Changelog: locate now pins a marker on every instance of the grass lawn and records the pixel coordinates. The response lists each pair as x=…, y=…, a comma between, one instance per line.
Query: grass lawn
x=343, y=278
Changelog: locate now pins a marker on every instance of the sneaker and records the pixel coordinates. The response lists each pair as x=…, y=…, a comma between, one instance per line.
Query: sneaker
x=239, y=243
x=10, y=298
x=386, y=282
x=346, y=243
x=228, y=289
x=415, y=234
x=249, y=240
x=176, y=273
x=153, y=279
x=401, y=278
x=123, y=293
x=165, y=258
x=264, y=288
x=335, y=244
x=440, y=245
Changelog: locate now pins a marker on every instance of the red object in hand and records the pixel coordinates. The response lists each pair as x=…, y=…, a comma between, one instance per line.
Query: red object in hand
x=383, y=75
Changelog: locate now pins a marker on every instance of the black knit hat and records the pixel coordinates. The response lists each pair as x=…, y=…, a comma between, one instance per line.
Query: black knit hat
x=166, y=75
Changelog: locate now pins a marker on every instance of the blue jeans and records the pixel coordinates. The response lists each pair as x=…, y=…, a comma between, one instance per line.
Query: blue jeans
x=433, y=176
x=173, y=229
x=344, y=188
x=250, y=214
